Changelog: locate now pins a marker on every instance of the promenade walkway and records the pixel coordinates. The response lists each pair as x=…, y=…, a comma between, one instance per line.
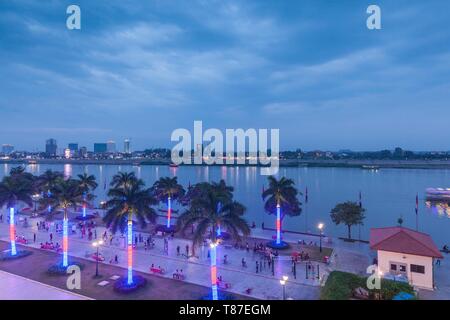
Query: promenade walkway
x=196, y=269
x=15, y=287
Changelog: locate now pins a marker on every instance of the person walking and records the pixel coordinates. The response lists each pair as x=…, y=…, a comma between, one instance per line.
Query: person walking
x=257, y=267
x=34, y=237
x=178, y=250
x=187, y=251
x=51, y=237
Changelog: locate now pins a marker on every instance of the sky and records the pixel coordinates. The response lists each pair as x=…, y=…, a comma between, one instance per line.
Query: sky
x=141, y=69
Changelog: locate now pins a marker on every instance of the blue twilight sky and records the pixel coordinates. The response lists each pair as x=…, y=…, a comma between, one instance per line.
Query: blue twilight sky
x=141, y=69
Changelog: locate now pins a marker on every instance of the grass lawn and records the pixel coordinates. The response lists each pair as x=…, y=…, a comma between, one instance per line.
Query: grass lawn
x=340, y=286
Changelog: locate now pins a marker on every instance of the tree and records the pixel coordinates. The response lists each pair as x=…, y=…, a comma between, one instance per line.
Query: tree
x=127, y=200
x=65, y=195
x=86, y=183
x=211, y=207
x=123, y=179
x=400, y=221
x=46, y=184
x=13, y=190
x=281, y=199
x=168, y=189
x=348, y=213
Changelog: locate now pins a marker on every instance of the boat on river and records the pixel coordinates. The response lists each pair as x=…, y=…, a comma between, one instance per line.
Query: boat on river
x=438, y=194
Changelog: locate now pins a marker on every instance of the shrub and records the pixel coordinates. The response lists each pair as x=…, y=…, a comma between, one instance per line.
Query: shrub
x=122, y=286
x=340, y=286
x=58, y=268
x=20, y=254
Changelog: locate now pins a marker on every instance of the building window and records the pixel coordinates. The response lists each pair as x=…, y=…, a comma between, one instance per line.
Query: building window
x=417, y=269
x=397, y=268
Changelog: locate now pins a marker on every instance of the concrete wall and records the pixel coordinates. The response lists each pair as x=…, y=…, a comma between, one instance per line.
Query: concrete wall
x=416, y=279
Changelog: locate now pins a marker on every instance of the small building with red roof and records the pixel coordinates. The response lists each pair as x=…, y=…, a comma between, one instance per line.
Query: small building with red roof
x=405, y=253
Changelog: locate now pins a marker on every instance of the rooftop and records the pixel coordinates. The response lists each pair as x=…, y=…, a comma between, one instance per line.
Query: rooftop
x=403, y=240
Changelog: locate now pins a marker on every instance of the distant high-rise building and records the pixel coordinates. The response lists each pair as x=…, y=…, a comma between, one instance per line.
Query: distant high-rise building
x=73, y=147
x=51, y=147
x=7, y=148
x=111, y=146
x=100, y=147
x=83, y=152
x=68, y=153
x=127, y=146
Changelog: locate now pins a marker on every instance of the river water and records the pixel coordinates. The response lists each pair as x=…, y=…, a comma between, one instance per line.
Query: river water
x=387, y=194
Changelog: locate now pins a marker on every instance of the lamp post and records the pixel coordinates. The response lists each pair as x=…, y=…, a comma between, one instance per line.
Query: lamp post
x=320, y=226
x=97, y=244
x=283, y=284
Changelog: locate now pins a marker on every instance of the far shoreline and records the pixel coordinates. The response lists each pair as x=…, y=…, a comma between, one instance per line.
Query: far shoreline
x=362, y=164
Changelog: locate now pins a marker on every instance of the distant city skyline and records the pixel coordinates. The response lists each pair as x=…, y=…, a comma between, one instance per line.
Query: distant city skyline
x=110, y=146
x=142, y=69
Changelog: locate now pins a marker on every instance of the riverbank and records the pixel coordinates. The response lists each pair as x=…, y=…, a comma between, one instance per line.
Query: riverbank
x=363, y=164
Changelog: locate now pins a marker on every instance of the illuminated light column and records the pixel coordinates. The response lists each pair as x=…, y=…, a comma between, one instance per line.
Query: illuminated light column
x=219, y=230
x=65, y=241
x=278, y=224
x=169, y=211
x=130, y=251
x=214, y=271
x=84, y=204
x=12, y=232
x=49, y=209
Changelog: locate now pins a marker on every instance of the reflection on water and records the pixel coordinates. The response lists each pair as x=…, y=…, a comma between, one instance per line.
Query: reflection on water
x=67, y=171
x=386, y=194
x=442, y=209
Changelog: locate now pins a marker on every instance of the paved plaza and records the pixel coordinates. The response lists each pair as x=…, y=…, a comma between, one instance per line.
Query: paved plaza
x=31, y=290
x=352, y=257
x=196, y=269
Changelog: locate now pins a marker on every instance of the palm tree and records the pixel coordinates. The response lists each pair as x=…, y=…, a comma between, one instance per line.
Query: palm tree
x=168, y=189
x=123, y=179
x=129, y=200
x=281, y=198
x=205, y=211
x=65, y=195
x=86, y=183
x=13, y=190
x=46, y=184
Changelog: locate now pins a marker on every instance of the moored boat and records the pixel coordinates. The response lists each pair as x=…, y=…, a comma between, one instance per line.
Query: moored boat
x=438, y=194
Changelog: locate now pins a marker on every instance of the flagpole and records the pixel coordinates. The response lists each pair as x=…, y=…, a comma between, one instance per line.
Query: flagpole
x=359, y=225
x=417, y=212
x=306, y=209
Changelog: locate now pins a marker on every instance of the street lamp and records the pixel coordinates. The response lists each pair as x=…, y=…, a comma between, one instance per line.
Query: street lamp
x=97, y=244
x=283, y=284
x=320, y=226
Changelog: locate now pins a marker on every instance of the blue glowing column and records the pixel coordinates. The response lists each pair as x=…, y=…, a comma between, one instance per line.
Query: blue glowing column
x=65, y=240
x=49, y=209
x=278, y=224
x=84, y=204
x=219, y=230
x=169, y=211
x=214, y=271
x=130, y=251
x=12, y=231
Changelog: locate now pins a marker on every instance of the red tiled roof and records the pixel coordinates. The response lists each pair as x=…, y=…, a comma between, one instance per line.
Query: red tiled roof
x=403, y=240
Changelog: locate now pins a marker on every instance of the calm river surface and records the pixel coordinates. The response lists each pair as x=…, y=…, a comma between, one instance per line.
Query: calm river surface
x=387, y=194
